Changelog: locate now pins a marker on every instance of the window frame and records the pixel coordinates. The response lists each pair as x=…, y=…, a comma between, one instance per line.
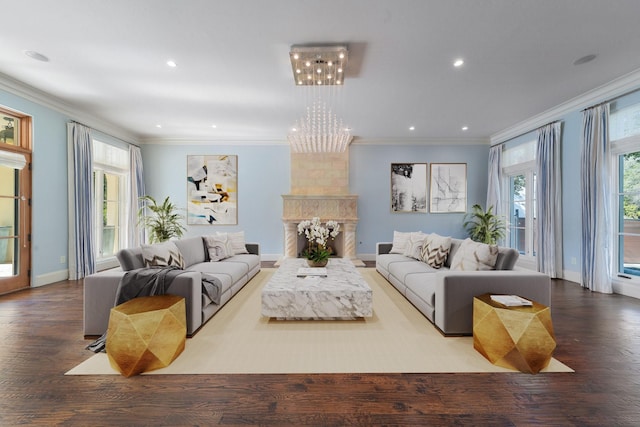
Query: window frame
x=528, y=169
x=619, y=148
x=99, y=170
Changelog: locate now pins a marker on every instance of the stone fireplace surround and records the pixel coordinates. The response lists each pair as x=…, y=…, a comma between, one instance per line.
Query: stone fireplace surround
x=340, y=208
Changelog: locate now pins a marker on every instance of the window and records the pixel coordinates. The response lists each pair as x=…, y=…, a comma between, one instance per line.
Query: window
x=110, y=175
x=9, y=129
x=520, y=183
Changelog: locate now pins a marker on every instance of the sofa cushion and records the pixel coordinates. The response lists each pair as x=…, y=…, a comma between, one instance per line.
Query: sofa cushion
x=234, y=271
x=400, y=240
x=218, y=246
x=414, y=244
x=435, y=250
x=192, y=250
x=165, y=254
x=423, y=285
x=474, y=256
x=385, y=260
x=401, y=270
x=238, y=243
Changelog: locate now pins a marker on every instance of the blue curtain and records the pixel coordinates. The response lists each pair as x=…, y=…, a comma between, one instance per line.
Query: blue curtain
x=597, y=229
x=549, y=201
x=82, y=258
x=136, y=234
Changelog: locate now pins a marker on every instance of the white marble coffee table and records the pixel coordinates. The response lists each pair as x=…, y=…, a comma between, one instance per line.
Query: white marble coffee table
x=342, y=295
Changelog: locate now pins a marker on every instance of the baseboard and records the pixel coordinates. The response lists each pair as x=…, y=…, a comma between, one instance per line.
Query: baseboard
x=572, y=276
x=46, y=279
x=271, y=257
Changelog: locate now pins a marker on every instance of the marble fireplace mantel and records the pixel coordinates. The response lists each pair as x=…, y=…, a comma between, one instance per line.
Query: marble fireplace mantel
x=340, y=208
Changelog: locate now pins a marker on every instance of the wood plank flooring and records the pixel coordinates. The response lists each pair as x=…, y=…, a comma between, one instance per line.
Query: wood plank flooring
x=598, y=336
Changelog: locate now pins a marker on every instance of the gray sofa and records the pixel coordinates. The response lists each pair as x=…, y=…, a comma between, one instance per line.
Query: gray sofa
x=234, y=272
x=445, y=296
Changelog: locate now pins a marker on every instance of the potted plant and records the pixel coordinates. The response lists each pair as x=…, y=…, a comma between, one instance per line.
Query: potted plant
x=317, y=253
x=163, y=223
x=484, y=226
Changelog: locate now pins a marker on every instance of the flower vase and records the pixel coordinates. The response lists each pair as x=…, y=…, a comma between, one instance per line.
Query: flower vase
x=313, y=263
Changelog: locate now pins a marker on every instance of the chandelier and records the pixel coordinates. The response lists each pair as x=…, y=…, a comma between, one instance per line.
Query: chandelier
x=319, y=130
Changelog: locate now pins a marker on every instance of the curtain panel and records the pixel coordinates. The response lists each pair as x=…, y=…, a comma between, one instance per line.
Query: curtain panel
x=597, y=229
x=82, y=261
x=549, y=200
x=136, y=234
x=494, y=192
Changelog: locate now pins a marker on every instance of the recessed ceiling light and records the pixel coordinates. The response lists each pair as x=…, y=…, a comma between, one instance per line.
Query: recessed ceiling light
x=158, y=126
x=36, y=55
x=171, y=63
x=584, y=59
x=214, y=126
x=465, y=127
x=412, y=128
x=458, y=63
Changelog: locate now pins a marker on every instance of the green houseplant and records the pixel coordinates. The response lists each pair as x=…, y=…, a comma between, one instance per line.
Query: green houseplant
x=163, y=222
x=484, y=226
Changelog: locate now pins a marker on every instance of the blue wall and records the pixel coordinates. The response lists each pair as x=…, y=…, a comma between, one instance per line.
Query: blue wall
x=49, y=239
x=264, y=176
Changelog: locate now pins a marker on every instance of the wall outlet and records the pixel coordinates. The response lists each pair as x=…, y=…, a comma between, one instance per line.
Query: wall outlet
x=63, y=259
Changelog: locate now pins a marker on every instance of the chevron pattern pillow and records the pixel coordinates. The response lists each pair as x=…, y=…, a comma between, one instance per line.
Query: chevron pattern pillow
x=435, y=250
x=165, y=254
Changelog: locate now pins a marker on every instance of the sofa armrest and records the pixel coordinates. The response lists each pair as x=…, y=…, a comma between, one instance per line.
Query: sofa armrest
x=253, y=248
x=455, y=290
x=383, y=248
x=100, y=295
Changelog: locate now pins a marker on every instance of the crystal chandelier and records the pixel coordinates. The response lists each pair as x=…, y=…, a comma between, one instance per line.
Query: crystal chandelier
x=319, y=130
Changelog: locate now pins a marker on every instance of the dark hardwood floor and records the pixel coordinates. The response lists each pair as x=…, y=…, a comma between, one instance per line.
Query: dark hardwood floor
x=598, y=336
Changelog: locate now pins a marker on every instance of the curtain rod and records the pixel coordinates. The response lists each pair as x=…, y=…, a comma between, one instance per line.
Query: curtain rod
x=532, y=130
x=108, y=134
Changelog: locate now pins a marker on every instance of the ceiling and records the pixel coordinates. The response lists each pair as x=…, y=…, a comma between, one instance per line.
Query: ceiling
x=107, y=60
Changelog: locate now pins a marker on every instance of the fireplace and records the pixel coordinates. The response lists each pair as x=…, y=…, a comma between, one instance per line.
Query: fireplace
x=342, y=209
x=320, y=187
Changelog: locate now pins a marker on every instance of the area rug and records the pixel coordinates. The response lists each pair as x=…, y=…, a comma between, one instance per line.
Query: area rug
x=397, y=339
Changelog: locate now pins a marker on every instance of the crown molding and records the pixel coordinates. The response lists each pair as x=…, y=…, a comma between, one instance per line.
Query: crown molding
x=420, y=141
x=44, y=99
x=212, y=142
x=609, y=91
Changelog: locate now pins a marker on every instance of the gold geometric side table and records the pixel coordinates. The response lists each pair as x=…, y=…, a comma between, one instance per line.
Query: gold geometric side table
x=518, y=338
x=146, y=333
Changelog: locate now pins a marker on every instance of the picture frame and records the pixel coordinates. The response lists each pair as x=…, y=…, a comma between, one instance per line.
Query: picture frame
x=448, y=187
x=409, y=187
x=212, y=189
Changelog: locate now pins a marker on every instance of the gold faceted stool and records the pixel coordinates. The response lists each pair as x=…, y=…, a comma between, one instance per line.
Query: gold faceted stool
x=513, y=337
x=146, y=333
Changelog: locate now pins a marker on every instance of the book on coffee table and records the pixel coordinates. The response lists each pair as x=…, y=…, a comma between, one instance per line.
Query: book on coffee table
x=312, y=271
x=511, y=300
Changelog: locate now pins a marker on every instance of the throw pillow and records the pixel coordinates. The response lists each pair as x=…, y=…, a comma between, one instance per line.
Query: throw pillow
x=238, y=243
x=474, y=256
x=165, y=254
x=415, y=242
x=218, y=246
x=399, y=242
x=435, y=250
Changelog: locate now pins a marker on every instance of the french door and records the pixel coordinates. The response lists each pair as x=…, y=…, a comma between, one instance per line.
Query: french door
x=15, y=202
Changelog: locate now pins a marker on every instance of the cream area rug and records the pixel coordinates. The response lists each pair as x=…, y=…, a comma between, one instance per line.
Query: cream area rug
x=397, y=339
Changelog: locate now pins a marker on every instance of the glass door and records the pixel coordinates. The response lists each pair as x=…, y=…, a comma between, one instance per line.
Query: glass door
x=15, y=204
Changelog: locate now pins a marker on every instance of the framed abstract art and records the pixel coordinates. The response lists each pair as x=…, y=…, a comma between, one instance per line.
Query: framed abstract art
x=212, y=189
